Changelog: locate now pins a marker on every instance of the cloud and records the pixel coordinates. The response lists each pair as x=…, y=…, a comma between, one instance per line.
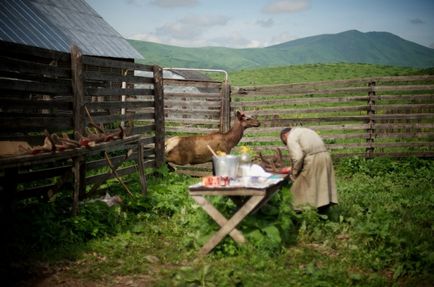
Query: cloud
x=265, y=23
x=174, y=3
x=416, y=21
x=186, y=29
x=231, y=40
x=286, y=6
x=234, y=40
x=431, y=46
x=149, y=37
x=205, y=20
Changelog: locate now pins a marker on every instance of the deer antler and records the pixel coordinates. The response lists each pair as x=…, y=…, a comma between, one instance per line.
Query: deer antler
x=274, y=163
x=278, y=158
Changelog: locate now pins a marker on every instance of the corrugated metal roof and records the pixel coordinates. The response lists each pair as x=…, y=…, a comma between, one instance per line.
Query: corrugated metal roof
x=58, y=24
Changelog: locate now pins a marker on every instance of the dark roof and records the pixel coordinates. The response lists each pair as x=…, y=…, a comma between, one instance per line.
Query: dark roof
x=58, y=24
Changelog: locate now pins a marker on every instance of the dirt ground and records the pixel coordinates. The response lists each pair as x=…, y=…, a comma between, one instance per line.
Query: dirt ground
x=59, y=276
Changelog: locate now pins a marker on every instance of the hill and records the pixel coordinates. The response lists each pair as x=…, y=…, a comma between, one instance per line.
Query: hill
x=317, y=72
x=352, y=46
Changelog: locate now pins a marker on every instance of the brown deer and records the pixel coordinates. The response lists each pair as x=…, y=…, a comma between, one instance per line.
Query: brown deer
x=194, y=150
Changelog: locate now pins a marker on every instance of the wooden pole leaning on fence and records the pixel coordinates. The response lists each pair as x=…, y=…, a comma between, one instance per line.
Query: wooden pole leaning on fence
x=159, y=116
x=78, y=119
x=225, y=114
x=371, y=122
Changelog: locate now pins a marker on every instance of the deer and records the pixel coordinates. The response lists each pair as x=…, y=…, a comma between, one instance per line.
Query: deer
x=183, y=150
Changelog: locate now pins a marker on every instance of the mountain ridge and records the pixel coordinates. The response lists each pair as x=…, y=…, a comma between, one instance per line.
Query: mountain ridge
x=352, y=46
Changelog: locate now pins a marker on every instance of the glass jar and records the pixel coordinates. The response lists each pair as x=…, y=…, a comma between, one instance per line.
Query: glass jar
x=245, y=163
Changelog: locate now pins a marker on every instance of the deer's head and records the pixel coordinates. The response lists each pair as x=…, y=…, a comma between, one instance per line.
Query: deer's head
x=247, y=121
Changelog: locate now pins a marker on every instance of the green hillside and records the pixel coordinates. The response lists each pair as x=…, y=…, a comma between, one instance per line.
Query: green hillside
x=317, y=72
x=348, y=47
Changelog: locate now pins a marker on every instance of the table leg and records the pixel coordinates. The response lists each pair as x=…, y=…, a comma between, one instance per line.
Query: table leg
x=218, y=217
x=231, y=223
x=269, y=195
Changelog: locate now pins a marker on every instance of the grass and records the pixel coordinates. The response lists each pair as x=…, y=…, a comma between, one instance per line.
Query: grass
x=380, y=234
x=314, y=73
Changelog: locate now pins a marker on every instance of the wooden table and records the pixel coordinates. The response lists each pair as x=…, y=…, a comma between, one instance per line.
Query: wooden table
x=256, y=195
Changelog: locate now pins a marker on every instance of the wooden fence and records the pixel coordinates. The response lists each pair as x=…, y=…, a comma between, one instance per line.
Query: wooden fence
x=367, y=117
x=196, y=107
x=62, y=93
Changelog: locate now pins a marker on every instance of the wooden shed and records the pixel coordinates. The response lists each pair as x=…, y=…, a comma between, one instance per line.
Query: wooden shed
x=63, y=69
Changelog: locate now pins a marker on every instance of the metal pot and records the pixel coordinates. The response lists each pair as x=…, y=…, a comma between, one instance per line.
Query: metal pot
x=226, y=165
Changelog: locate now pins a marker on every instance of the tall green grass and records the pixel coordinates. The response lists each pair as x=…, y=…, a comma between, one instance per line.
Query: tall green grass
x=380, y=234
x=314, y=73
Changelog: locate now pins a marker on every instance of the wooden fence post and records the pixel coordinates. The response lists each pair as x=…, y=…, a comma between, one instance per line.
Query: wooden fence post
x=371, y=123
x=225, y=113
x=159, y=116
x=78, y=121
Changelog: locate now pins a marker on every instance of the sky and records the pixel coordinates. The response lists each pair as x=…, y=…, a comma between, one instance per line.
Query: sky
x=262, y=23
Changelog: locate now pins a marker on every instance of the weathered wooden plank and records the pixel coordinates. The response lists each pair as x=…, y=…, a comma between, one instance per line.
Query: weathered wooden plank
x=119, y=92
x=407, y=135
x=386, y=154
x=361, y=81
x=338, y=109
x=114, y=118
x=22, y=123
x=262, y=139
x=8, y=48
x=304, y=99
x=19, y=67
x=35, y=87
x=231, y=223
x=301, y=100
x=411, y=97
x=337, y=127
x=160, y=123
x=43, y=173
x=50, y=157
x=403, y=107
x=206, y=113
x=291, y=121
x=207, y=96
x=189, y=130
x=78, y=90
x=218, y=217
x=103, y=62
x=413, y=126
x=192, y=104
x=308, y=90
x=192, y=83
x=119, y=104
x=170, y=120
x=380, y=145
x=93, y=75
x=36, y=104
x=404, y=88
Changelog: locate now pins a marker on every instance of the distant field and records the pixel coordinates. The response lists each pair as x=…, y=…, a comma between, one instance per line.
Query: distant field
x=316, y=72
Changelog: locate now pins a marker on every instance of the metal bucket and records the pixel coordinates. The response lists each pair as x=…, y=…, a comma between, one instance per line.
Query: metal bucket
x=226, y=165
